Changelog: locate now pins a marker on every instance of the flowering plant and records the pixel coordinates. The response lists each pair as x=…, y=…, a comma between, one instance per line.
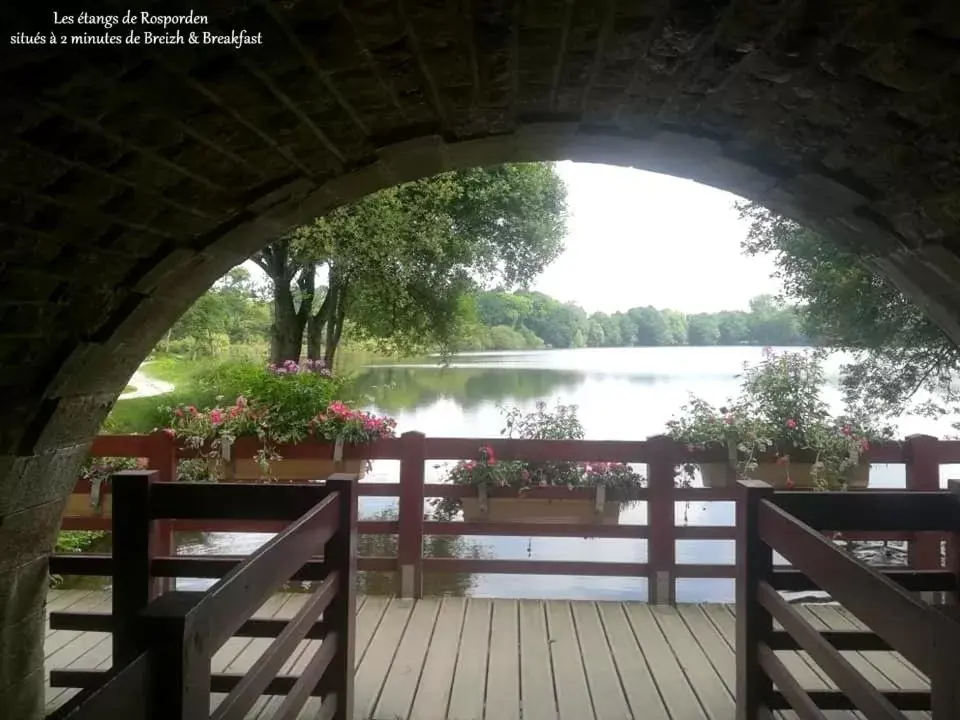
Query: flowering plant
x=281, y=404
x=780, y=410
x=622, y=483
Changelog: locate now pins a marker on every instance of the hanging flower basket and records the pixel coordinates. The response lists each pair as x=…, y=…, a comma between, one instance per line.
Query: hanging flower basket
x=244, y=469
x=548, y=511
x=612, y=485
x=800, y=475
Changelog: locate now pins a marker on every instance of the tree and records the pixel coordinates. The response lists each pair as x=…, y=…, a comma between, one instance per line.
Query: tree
x=651, y=326
x=294, y=287
x=843, y=303
x=703, y=329
x=401, y=262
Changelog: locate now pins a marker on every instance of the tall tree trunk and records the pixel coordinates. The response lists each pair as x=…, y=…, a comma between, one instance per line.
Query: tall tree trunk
x=286, y=333
x=335, y=328
x=326, y=326
x=289, y=319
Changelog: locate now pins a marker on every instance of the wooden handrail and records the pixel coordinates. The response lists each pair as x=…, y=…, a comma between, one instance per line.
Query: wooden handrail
x=179, y=632
x=232, y=600
x=925, y=634
x=866, y=697
x=889, y=610
x=921, y=454
x=120, y=695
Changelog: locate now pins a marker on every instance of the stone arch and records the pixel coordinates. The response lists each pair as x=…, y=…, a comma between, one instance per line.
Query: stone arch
x=132, y=180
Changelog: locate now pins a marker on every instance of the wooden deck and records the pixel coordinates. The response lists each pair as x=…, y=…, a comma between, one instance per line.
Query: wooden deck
x=477, y=659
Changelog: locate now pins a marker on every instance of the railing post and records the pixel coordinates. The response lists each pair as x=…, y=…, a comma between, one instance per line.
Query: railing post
x=410, y=540
x=953, y=548
x=923, y=475
x=131, y=558
x=341, y=614
x=661, y=542
x=163, y=459
x=754, y=623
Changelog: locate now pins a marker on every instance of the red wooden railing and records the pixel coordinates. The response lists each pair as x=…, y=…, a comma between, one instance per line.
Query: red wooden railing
x=921, y=454
x=927, y=635
x=163, y=645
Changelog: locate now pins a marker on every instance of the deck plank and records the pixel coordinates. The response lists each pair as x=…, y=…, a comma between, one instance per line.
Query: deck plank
x=679, y=697
x=569, y=678
x=400, y=686
x=379, y=656
x=537, y=695
x=436, y=682
x=470, y=679
x=503, y=673
x=633, y=668
x=480, y=659
x=603, y=680
x=715, y=699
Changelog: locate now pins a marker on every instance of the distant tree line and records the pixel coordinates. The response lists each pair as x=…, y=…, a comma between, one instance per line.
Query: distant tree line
x=530, y=320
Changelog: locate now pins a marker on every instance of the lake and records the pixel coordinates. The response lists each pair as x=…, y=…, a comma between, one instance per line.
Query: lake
x=622, y=394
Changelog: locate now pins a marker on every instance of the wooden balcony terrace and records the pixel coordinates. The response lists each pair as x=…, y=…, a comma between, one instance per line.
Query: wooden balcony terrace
x=889, y=650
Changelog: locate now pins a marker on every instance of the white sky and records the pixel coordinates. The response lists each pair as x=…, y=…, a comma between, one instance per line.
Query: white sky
x=637, y=238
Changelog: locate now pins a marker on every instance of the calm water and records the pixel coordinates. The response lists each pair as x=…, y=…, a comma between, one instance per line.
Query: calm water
x=622, y=394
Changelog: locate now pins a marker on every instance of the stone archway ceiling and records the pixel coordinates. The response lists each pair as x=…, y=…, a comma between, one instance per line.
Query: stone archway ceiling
x=131, y=178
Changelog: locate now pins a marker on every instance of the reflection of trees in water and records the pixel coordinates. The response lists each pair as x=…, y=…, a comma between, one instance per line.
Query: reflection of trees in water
x=406, y=388
x=434, y=546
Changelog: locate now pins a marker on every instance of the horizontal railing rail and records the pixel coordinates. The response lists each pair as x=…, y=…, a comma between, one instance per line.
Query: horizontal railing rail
x=898, y=618
x=179, y=632
x=922, y=456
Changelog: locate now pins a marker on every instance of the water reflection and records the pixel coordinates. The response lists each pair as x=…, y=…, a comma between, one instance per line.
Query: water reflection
x=622, y=394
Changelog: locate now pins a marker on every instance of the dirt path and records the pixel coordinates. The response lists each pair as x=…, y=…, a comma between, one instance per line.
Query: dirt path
x=146, y=386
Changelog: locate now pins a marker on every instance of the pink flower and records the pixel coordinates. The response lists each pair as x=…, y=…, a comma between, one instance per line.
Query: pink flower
x=728, y=419
x=791, y=423
x=486, y=453
x=789, y=484
x=864, y=445
x=216, y=416
x=169, y=432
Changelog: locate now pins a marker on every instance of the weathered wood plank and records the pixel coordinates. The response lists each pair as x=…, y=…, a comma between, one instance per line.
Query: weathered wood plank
x=680, y=699
x=633, y=667
x=569, y=678
x=470, y=679
x=403, y=677
x=436, y=682
x=536, y=678
x=716, y=700
x=503, y=674
x=603, y=680
x=369, y=617
x=379, y=655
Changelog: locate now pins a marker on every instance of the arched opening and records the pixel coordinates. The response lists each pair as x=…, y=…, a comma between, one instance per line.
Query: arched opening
x=133, y=180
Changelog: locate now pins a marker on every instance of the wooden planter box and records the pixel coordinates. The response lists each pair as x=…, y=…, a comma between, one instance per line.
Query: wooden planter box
x=293, y=470
x=715, y=475
x=552, y=511
x=78, y=504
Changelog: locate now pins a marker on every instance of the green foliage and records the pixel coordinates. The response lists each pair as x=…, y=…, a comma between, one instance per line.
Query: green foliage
x=780, y=410
x=543, y=321
x=72, y=541
x=845, y=304
x=400, y=262
x=622, y=483
x=233, y=312
x=277, y=404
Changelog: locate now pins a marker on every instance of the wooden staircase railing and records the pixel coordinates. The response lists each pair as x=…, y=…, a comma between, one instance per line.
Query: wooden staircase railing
x=163, y=645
